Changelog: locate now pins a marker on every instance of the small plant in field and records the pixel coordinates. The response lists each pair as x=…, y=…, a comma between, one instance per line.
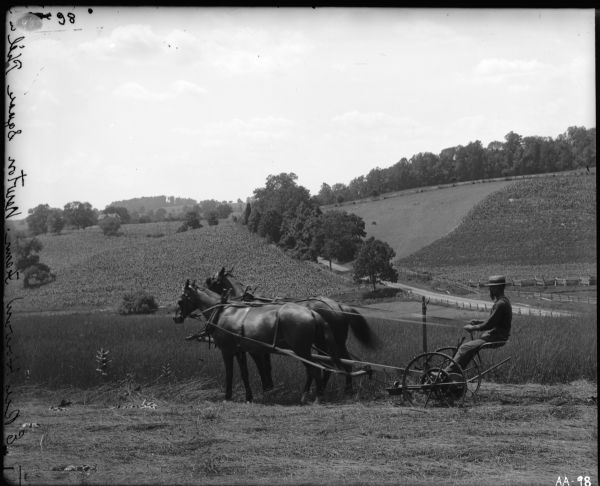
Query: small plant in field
x=139, y=302
x=102, y=361
x=166, y=371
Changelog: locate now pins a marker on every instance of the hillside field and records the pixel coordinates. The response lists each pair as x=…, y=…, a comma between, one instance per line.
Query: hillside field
x=410, y=221
x=543, y=227
x=95, y=271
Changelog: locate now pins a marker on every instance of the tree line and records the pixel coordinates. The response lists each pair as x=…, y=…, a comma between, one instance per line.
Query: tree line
x=517, y=155
x=79, y=215
x=285, y=214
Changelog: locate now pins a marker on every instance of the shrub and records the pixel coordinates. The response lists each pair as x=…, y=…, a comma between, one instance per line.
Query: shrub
x=192, y=220
x=37, y=275
x=138, y=302
x=212, y=218
x=381, y=293
x=182, y=228
x=110, y=225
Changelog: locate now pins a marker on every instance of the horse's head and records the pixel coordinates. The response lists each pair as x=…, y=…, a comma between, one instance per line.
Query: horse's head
x=185, y=304
x=193, y=298
x=222, y=282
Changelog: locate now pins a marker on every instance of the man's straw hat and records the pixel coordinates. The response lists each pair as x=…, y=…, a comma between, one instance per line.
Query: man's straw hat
x=496, y=280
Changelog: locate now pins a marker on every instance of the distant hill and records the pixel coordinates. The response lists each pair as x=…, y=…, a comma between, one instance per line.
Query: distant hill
x=152, y=203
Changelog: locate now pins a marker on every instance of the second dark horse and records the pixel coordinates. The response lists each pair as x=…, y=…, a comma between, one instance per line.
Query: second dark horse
x=237, y=328
x=340, y=317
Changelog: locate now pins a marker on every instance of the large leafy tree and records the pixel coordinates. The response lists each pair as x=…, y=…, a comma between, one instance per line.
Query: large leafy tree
x=281, y=193
x=341, y=235
x=273, y=203
x=80, y=215
x=300, y=231
x=247, y=212
x=28, y=262
x=120, y=211
x=223, y=210
x=374, y=260
x=270, y=225
x=56, y=221
x=37, y=221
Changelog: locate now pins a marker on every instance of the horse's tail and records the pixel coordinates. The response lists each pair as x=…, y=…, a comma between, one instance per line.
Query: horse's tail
x=360, y=327
x=324, y=337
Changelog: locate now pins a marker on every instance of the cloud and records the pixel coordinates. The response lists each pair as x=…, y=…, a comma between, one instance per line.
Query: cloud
x=374, y=121
x=245, y=50
x=186, y=87
x=131, y=41
x=254, y=130
x=138, y=92
x=500, y=70
x=233, y=50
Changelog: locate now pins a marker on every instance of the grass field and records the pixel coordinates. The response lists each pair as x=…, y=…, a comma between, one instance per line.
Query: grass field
x=60, y=350
x=525, y=435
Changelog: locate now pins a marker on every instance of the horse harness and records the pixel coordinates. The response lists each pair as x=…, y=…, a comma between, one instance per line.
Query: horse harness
x=215, y=314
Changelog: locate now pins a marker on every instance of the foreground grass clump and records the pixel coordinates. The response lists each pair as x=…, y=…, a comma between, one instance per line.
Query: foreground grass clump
x=61, y=351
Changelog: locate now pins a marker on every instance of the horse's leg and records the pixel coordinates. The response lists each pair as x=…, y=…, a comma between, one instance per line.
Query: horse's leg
x=263, y=365
x=243, y=363
x=260, y=366
x=228, y=360
x=309, y=380
x=267, y=371
x=326, y=375
x=316, y=373
x=348, y=368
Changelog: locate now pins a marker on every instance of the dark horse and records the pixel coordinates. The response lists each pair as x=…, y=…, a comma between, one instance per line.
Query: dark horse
x=340, y=318
x=237, y=328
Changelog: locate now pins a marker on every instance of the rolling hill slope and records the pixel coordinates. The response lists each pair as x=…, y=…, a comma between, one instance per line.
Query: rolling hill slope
x=93, y=270
x=531, y=226
x=417, y=218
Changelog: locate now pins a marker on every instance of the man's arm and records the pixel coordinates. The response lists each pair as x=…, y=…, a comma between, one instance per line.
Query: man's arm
x=493, y=321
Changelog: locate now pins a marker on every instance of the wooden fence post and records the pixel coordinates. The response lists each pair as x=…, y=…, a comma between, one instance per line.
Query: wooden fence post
x=424, y=317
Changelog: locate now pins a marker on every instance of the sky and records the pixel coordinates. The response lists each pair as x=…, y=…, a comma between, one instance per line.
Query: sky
x=206, y=103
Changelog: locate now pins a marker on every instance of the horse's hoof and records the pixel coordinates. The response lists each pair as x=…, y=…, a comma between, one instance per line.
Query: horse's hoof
x=303, y=399
x=317, y=401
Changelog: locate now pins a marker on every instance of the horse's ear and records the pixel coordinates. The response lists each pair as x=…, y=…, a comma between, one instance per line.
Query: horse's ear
x=222, y=272
x=187, y=284
x=225, y=296
x=231, y=271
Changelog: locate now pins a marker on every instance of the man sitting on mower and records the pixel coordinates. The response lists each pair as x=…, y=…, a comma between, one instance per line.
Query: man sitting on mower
x=496, y=328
